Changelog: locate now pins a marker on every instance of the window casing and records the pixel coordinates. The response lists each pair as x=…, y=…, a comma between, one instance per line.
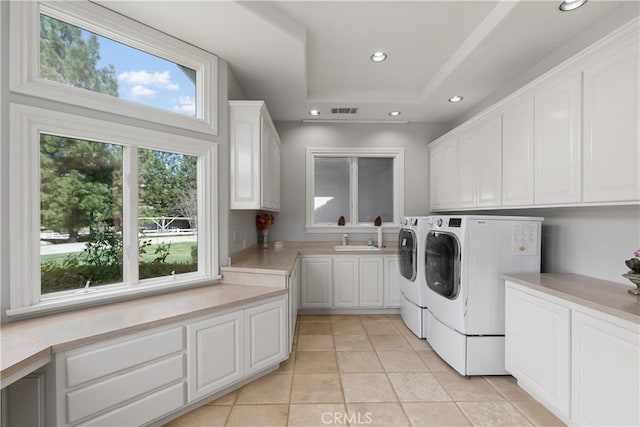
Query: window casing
x=25, y=62
x=28, y=124
x=357, y=184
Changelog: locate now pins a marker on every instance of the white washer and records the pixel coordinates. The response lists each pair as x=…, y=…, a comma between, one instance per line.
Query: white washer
x=412, y=282
x=465, y=258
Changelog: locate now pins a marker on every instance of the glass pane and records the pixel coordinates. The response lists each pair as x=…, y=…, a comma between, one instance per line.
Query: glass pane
x=80, y=213
x=375, y=189
x=168, y=213
x=79, y=58
x=331, y=198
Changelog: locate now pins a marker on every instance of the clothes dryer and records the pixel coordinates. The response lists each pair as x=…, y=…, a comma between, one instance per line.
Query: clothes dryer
x=411, y=239
x=465, y=257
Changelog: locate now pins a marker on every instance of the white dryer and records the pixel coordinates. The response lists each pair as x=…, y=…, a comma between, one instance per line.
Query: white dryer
x=465, y=258
x=412, y=283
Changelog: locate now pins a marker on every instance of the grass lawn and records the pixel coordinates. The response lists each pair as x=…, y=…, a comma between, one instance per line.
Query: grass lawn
x=179, y=253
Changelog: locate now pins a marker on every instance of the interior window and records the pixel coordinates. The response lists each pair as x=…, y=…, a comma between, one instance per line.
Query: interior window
x=331, y=191
x=375, y=189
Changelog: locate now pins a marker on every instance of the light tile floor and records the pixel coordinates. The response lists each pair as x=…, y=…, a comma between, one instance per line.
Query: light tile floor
x=369, y=370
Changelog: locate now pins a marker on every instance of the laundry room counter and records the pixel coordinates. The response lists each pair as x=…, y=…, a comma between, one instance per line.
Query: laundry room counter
x=601, y=295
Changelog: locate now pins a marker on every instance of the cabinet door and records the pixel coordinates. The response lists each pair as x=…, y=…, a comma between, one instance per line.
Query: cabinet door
x=467, y=169
x=449, y=189
x=294, y=301
x=317, y=283
x=392, y=295
x=275, y=173
x=558, y=142
x=345, y=281
x=537, y=347
x=489, y=163
x=436, y=177
x=605, y=370
x=517, y=154
x=611, y=133
x=371, y=289
x=266, y=136
x=266, y=335
x=245, y=157
x=215, y=352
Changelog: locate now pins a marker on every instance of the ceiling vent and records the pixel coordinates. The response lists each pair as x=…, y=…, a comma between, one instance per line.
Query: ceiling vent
x=344, y=110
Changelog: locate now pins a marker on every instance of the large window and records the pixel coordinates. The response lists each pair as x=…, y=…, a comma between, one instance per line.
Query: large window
x=83, y=54
x=347, y=189
x=96, y=212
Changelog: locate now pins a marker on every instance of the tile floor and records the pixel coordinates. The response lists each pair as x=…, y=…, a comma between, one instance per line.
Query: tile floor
x=369, y=370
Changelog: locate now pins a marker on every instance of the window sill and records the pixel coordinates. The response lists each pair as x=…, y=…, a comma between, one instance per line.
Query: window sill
x=94, y=297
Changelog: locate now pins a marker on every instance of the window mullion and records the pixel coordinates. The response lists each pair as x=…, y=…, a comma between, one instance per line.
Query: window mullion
x=130, y=215
x=353, y=182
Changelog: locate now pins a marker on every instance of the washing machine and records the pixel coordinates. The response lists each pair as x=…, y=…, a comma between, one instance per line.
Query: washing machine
x=465, y=257
x=412, y=282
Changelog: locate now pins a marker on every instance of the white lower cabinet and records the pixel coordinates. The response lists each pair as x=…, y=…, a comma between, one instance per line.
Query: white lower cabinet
x=293, y=284
x=265, y=335
x=392, y=294
x=215, y=353
x=345, y=282
x=119, y=381
x=317, y=282
x=582, y=364
x=605, y=367
x=537, y=348
x=142, y=378
x=371, y=282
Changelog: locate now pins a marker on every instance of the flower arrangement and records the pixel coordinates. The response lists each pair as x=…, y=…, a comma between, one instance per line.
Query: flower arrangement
x=634, y=263
x=264, y=221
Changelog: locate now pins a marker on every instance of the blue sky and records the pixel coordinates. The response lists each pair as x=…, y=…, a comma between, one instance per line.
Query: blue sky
x=147, y=79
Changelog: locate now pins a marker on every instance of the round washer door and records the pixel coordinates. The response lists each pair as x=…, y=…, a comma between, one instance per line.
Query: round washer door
x=442, y=263
x=407, y=247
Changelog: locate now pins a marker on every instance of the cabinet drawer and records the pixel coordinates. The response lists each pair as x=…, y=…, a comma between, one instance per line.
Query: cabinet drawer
x=122, y=388
x=144, y=410
x=110, y=359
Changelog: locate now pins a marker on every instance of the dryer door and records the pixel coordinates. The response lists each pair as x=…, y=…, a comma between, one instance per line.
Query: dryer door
x=442, y=263
x=407, y=247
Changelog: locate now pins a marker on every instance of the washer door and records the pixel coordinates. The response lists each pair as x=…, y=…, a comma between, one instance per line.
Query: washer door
x=407, y=247
x=442, y=263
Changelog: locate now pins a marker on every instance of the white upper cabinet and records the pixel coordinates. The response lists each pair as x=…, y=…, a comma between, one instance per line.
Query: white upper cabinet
x=479, y=164
x=517, y=153
x=444, y=174
x=558, y=143
x=467, y=169
x=611, y=135
x=569, y=138
x=254, y=157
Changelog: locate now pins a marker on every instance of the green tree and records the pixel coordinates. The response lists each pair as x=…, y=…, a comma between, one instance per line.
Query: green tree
x=80, y=184
x=70, y=56
x=168, y=184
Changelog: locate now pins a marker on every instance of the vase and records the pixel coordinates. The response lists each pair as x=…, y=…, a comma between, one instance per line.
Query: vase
x=263, y=238
x=635, y=279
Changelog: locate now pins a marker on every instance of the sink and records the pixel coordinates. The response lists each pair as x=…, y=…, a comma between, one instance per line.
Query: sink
x=355, y=248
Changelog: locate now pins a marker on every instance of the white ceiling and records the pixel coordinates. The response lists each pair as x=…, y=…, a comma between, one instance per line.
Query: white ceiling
x=301, y=55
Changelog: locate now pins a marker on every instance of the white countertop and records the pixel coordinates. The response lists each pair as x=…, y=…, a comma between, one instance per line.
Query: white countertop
x=601, y=295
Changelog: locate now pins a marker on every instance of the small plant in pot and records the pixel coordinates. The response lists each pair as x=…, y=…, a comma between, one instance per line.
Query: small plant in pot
x=634, y=272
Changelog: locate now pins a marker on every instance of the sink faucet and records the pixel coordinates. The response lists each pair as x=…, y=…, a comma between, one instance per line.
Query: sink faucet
x=345, y=239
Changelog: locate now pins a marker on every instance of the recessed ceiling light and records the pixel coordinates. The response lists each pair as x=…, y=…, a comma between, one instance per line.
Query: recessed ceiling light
x=314, y=112
x=569, y=5
x=394, y=113
x=378, y=57
x=456, y=98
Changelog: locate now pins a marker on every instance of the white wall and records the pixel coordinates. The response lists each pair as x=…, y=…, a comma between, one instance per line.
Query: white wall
x=591, y=241
x=297, y=136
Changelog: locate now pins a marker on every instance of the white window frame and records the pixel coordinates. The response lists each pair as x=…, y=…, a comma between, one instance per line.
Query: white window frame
x=397, y=154
x=25, y=62
x=27, y=123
